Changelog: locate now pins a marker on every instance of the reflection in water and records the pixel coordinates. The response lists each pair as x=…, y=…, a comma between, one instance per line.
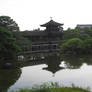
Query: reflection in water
x=53, y=62
x=75, y=62
x=8, y=78
x=36, y=71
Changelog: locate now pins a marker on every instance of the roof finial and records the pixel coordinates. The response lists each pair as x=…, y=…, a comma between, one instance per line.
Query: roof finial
x=51, y=18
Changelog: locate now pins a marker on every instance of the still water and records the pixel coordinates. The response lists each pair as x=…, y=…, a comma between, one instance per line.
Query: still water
x=66, y=70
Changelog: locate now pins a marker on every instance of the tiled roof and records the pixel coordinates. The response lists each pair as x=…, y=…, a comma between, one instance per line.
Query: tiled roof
x=51, y=22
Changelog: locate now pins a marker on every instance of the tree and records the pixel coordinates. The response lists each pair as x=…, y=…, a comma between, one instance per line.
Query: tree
x=75, y=33
x=72, y=46
x=8, y=47
x=11, y=25
x=8, y=23
x=88, y=46
x=24, y=44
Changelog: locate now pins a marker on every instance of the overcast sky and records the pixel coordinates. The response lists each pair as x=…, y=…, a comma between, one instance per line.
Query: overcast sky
x=29, y=14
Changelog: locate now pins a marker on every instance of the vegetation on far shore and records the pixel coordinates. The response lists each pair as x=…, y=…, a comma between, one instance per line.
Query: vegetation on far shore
x=76, y=41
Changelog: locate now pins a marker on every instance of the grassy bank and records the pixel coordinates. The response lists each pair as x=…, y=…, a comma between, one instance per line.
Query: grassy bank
x=63, y=89
x=53, y=87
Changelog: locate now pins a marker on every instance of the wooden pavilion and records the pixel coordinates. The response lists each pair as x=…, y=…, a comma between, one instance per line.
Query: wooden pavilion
x=45, y=40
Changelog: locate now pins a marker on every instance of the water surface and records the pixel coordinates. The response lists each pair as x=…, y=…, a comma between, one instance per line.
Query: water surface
x=64, y=70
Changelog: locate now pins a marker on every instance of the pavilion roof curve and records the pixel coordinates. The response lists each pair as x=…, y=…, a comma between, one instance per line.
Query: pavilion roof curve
x=51, y=22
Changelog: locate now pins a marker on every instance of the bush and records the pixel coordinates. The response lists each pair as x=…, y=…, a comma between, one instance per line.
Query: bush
x=72, y=46
x=53, y=88
x=88, y=46
x=8, y=47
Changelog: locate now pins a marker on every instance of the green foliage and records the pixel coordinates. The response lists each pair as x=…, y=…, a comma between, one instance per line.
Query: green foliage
x=72, y=46
x=24, y=44
x=8, y=47
x=87, y=46
x=87, y=31
x=75, y=33
x=77, y=41
x=76, y=46
x=47, y=88
x=8, y=23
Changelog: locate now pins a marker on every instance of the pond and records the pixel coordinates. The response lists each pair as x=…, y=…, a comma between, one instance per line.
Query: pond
x=65, y=70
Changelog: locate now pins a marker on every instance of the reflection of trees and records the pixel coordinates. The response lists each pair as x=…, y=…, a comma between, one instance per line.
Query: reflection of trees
x=74, y=62
x=88, y=59
x=53, y=62
x=9, y=64
x=8, y=78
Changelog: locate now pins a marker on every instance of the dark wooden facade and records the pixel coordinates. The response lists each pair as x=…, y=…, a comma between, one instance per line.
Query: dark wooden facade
x=45, y=40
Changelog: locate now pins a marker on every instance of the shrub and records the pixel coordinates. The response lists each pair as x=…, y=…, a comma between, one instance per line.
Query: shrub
x=72, y=46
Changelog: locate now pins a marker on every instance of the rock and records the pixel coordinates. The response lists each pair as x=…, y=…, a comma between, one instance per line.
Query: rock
x=8, y=65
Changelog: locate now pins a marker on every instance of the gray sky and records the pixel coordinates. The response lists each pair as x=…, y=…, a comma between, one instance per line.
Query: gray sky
x=29, y=14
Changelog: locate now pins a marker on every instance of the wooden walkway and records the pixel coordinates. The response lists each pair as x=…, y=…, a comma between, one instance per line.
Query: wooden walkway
x=38, y=51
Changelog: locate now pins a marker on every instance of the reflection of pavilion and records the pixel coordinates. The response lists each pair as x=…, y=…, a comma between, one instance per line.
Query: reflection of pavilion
x=53, y=62
x=50, y=59
x=53, y=69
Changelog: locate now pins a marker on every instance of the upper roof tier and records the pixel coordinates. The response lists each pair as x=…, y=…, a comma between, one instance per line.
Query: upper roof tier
x=52, y=23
